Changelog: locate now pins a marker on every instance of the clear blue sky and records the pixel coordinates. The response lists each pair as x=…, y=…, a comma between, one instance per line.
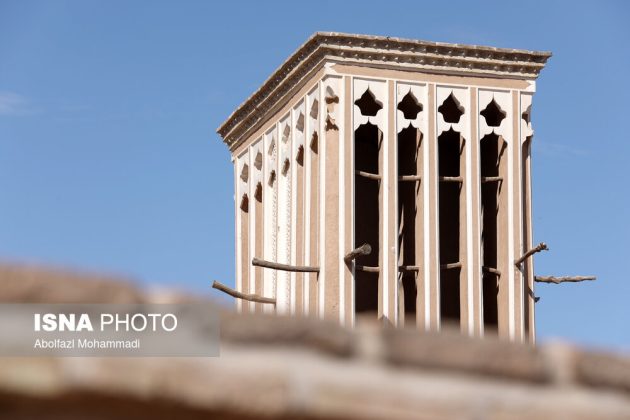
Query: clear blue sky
x=109, y=160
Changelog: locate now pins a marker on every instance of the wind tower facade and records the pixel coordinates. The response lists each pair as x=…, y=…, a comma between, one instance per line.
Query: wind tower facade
x=420, y=150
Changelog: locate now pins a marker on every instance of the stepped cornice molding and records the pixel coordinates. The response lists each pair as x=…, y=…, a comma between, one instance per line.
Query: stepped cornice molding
x=407, y=54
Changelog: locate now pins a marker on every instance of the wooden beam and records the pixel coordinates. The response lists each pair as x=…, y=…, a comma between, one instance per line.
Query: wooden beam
x=284, y=267
x=408, y=268
x=485, y=179
x=450, y=265
x=540, y=247
x=244, y=296
x=413, y=178
x=532, y=295
x=562, y=279
x=368, y=175
x=451, y=179
x=367, y=268
x=491, y=270
x=364, y=249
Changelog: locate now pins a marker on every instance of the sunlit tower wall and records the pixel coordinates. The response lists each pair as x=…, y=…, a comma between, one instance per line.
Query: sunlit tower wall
x=421, y=150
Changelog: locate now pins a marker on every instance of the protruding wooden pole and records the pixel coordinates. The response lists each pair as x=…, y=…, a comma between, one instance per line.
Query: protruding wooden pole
x=450, y=266
x=491, y=270
x=239, y=295
x=368, y=175
x=563, y=279
x=540, y=247
x=367, y=268
x=412, y=178
x=451, y=179
x=284, y=267
x=532, y=295
x=485, y=179
x=364, y=249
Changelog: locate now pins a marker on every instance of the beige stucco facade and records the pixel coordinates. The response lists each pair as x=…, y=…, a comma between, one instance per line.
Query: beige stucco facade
x=421, y=150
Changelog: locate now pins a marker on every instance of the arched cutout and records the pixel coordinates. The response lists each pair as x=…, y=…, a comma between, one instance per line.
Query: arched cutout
x=314, y=140
x=286, y=133
x=299, y=156
x=331, y=96
x=245, y=173
x=272, y=178
x=299, y=125
x=272, y=146
x=493, y=114
x=527, y=115
x=285, y=166
x=330, y=123
x=409, y=106
x=258, y=161
x=244, y=203
x=331, y=103
x=451, y=109
x=258, y=192
x=368, y=105
x=314, y=109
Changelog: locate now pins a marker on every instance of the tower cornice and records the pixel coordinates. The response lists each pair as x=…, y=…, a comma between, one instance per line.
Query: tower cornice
x=406, y=54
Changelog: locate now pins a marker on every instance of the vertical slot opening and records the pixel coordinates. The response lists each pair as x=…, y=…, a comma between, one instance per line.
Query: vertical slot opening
x=300, y=278
x=312, y=165
x=528, y=295
x=245, y=259
x=409, y=221
x=492, y=235
x=450, y=149
x=367, y=145
x=258, y=247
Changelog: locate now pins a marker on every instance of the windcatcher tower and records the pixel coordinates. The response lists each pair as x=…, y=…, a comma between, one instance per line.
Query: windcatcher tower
x=420, y=150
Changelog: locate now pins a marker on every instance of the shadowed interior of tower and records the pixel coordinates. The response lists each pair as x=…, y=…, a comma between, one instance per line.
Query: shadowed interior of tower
x=367, y=140
x=450, y=149
x=492, y=150
x=409, y=219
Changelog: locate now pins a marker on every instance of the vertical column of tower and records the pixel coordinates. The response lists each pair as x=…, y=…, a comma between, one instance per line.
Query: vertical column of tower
x=525, y=135
x=242, y=226
x=251, y=230
x=390, y=207
x=312, y=197
x=270, y=210
x=453, y=163
x=283, y=279
x=298, y=280
x=375, y=274
x=467, y=221
x=330, y=288
x=255, y=221
x=475, y=194
x=237, y=236
x=517, y=221
x=346, y=204
x=431, y=255
x=413, y=274
x=496, y=133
